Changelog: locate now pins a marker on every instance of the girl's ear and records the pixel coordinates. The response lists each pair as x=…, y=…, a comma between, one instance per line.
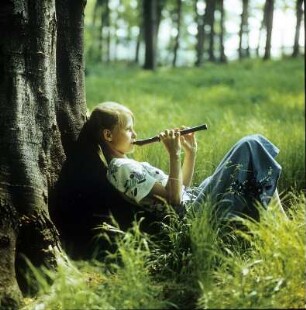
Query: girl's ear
x=107, y=135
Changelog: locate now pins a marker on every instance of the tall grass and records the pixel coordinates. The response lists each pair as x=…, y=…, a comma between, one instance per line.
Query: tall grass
x=269, y=274
x=198, y=262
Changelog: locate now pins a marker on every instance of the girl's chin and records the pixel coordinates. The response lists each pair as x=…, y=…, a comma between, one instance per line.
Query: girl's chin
x=131, y=150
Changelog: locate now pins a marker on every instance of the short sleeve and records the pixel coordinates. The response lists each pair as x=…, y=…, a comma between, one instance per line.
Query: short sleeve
x=130, y=178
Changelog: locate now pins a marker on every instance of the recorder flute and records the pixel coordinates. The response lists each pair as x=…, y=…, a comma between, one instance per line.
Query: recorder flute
x=182, y=132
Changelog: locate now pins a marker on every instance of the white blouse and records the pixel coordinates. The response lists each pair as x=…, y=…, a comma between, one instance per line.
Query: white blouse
x=136, y=179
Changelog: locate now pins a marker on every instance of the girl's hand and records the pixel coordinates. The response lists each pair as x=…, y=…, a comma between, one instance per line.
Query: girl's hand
x=189, y=142
x=171, y=140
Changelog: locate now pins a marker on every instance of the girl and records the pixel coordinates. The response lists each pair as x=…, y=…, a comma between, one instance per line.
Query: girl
x=247, y=174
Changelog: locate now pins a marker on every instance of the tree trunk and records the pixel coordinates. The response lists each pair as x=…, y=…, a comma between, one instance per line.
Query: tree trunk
x=105, y=31
x=137, y=50
x=42, y=109
x=200, y=19
x=262, y=27
x=150, y=34
x=71, y=105
x=243, y=50
x=141, y=26
x=160, y=4
x=299, y=16
x=178, y=27
x=102, y=7
x=211, y=5
x=93, y=53
x=222, y=53
x=269, y=26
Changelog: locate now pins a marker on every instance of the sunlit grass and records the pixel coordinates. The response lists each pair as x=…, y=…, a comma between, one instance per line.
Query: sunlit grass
x=270, y=273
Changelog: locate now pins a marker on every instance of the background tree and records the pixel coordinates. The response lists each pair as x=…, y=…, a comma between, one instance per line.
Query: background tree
x=210, y=28
x=160, y=5
x=269, y=11
x=105, y=33
x=150, y=33
x=203, y=35
x=178, y=18
x=299, y=16
x=102, y=10
x=200, y=36
x=42, y=110
x=244, y=49
x=222, y=31
x=140, y=29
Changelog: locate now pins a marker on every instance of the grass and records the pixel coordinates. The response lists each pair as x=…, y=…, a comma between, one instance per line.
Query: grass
x=197, y=262
x=217, y=269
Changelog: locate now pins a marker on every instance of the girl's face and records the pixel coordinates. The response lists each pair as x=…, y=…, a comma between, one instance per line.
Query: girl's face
x=124, y=136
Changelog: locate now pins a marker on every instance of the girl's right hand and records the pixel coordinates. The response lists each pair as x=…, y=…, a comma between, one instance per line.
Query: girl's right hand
x=171, y=140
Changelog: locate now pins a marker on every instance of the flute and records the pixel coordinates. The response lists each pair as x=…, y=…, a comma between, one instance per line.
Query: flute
x=182, y=132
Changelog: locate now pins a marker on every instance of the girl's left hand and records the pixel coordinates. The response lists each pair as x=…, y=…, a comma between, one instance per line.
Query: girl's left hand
x=189, y=142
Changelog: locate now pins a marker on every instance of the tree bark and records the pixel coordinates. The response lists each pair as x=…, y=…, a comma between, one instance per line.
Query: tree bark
x=71, y=105
x=299, y=16
x=269, y=26
x=42, y=109
x=150, y=33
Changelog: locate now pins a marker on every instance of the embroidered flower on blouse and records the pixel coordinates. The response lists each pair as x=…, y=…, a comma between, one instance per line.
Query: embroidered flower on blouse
x=134, y=179
x=113, y=169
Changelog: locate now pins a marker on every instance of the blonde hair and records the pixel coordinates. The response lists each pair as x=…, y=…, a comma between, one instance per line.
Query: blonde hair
x=105, y=115
x=109, y=114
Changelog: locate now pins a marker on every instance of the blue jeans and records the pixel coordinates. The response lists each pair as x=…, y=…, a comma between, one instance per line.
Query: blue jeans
x=247, y=174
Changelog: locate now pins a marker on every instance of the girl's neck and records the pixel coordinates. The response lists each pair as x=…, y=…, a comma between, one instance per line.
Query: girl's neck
x=110, y=153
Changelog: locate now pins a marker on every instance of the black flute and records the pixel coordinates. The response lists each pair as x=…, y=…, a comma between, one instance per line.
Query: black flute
x=182, y=132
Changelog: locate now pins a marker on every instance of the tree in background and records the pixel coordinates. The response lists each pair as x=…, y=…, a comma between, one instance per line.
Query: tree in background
x=123, y=29
x=269, y=11
x=103, y=36
x=42, y=111
x=244, y=49
x=140, y=31
x=209, y=28
x=200, y=36
x=222, y=31
x=150, y=33
x=299, y=16
x=206, y=33
x=177, y=18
